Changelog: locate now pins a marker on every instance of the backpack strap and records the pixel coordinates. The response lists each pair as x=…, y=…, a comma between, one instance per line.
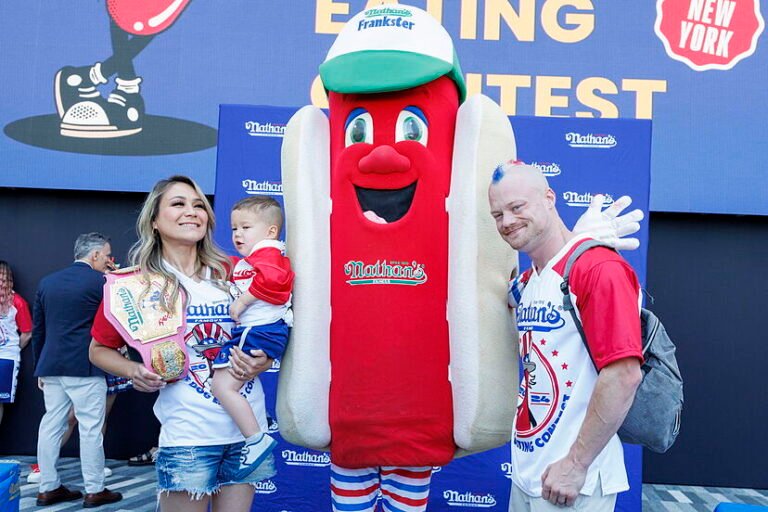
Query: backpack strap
x=568, y=304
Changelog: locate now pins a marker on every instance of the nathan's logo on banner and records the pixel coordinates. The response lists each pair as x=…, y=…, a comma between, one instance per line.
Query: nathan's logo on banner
x=582, y=200
x=257, y=129
x=548, y=169
x=539, y=317
x=469, y=499
x=590, y=140
x=384, y=272
x=386, y=17
x=305, y=458
x=709, y=34
x=263, y=187
x=265, y=487
x=506, y=468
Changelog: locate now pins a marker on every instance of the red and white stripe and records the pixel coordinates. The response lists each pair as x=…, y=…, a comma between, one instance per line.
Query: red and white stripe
x=403, y=489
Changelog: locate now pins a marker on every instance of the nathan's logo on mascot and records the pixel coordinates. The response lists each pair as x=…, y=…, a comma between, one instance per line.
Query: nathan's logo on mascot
x=582, y=200
x=709, y=34
x=386, y=17
x=265, y=487
x=548, y=169
x=305, y=458
x=590, y=140
x=263, y=187
x=541, y=318
x=257, y=129
x=469, y=499
x=383, y=272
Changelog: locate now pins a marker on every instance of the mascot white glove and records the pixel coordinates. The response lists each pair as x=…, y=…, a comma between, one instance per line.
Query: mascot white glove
x=608, y=225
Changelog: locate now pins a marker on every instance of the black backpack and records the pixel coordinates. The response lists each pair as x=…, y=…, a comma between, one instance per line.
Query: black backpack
x=653, y=421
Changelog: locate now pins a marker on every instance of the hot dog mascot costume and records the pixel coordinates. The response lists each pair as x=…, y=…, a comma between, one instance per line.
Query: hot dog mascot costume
x=403, y=349
x=403, y=352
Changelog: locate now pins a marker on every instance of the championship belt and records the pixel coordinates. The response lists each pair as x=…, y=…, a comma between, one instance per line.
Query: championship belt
x=135, y=311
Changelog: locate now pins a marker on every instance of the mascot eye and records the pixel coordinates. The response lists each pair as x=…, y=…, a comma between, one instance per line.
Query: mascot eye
x=412, y=125
x=359, y=128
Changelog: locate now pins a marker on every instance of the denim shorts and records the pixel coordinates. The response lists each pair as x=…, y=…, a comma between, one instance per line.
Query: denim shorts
x=202, y=470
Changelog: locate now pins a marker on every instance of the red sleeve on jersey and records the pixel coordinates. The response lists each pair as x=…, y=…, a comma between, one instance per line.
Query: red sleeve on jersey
x=607, y=293
x=23, y=318
x=104, y=332
x=273, y=277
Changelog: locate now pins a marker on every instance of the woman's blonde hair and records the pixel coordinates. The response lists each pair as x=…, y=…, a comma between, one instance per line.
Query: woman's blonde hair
x=147, y=252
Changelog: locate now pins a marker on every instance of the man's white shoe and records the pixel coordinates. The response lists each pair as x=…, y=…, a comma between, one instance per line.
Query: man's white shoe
x=34, y=474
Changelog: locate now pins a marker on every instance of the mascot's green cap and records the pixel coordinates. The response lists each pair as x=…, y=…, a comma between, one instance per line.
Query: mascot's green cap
x=390, y=48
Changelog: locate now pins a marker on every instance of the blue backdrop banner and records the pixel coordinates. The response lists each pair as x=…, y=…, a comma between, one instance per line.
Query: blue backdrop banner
x=698, y=68
x=581, y=157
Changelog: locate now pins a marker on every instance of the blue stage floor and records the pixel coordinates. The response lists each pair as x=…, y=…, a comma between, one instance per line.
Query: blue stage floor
x=138, y=487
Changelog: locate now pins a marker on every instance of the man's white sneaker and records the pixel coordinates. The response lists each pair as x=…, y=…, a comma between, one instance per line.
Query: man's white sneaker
x=34, y=474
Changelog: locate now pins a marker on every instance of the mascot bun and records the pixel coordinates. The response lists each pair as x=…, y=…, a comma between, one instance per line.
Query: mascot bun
x=367, y=59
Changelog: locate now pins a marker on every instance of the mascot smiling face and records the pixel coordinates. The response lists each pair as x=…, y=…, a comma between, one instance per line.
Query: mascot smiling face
x=389, y=149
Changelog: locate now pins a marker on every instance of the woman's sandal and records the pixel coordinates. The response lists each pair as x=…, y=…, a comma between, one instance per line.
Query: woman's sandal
x=144, y=459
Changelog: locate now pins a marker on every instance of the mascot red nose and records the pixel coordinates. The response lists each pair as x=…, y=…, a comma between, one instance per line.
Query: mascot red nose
x=398, y=346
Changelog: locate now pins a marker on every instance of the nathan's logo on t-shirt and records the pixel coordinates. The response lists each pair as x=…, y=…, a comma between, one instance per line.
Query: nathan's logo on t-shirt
x=469, y=499
x=385, y=272
x=306, y=458
x=265, y=487
x=208, y=312
x=590, y=140
x=539, y=317
x=386, y=17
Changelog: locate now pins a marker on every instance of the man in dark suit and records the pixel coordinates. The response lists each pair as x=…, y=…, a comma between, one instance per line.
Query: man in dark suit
x=65, y=306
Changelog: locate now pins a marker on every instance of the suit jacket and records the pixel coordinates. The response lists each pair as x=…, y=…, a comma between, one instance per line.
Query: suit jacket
x=65, y=305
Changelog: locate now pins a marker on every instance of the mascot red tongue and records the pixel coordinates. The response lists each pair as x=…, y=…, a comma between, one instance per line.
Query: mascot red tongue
x=402, y=351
